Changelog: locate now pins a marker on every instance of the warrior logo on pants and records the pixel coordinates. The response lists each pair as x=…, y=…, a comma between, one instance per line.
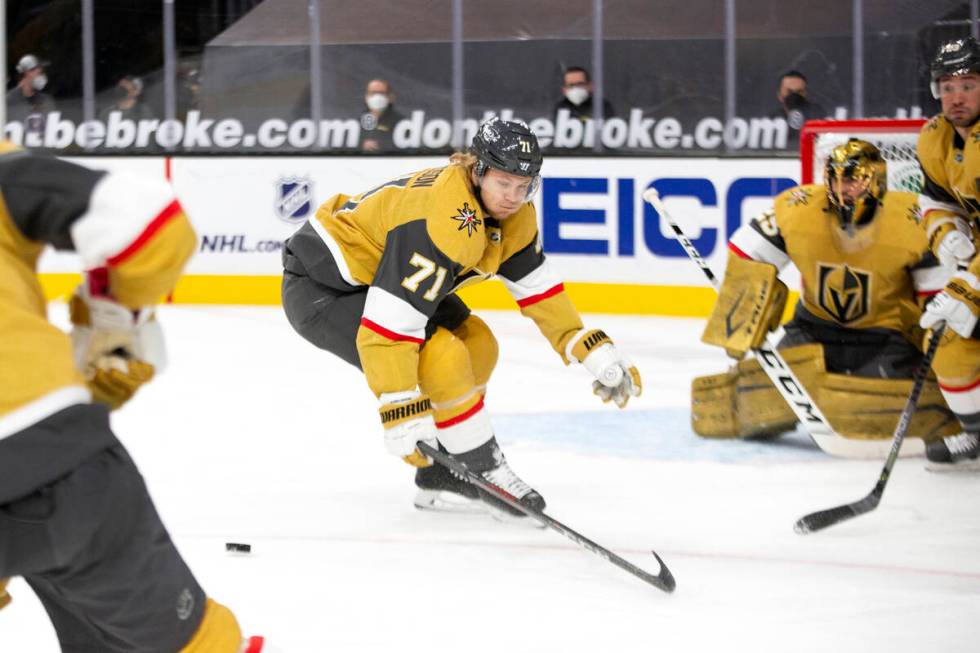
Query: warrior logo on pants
x=844, y=291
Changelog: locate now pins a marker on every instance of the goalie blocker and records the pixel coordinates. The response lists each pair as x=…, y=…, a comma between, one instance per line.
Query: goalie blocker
x=750, y=305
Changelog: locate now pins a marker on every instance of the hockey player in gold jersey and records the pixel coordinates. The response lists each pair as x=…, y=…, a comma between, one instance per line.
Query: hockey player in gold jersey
x=854, y=338
x=949, y=153
x=76, y=521
x=372, y=278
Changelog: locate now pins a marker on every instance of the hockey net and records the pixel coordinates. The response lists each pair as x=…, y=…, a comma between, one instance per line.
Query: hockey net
x=895, y=138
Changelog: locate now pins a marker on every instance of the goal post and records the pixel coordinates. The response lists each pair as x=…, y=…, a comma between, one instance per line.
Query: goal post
x=895, y=138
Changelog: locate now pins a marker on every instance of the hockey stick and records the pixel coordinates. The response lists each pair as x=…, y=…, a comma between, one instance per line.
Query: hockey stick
x=663, y=580
x=821, y=519
x=772, y=363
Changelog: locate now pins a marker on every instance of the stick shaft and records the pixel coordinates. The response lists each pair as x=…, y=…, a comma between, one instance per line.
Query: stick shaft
x=772, y=363
x=664, y=580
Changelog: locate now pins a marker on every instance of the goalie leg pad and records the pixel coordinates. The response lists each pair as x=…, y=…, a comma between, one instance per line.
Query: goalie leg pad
x=743, y=403
x=750, y=304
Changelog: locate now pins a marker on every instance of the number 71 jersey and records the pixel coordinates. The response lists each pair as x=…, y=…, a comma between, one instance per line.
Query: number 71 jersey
x=413, y=241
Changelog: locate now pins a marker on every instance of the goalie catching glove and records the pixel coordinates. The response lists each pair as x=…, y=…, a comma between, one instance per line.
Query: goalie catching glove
x=617, y=379
x=407, y=420
x=116, y=348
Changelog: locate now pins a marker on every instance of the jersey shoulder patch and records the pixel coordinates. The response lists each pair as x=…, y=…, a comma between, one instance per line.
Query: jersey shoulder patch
x=803, y=195
x=454, y=219
x=935, y=139
x=904, y=216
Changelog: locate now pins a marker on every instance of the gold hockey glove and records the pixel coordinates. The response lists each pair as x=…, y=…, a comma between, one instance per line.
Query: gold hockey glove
x=116, y=349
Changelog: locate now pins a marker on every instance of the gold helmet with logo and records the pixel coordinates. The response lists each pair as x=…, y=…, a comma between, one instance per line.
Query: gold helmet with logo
x=862, y=162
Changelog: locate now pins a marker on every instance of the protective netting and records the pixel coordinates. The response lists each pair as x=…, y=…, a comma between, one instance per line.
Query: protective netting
x=897, y=147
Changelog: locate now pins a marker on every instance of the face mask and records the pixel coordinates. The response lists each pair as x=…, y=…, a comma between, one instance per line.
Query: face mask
x=577, y=95
x=377, y=101
x=39, y=82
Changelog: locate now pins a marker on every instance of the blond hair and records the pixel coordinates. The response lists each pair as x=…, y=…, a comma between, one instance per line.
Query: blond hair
x=466, y=160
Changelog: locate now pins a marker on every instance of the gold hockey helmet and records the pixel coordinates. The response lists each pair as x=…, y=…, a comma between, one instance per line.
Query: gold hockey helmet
x=862, y=162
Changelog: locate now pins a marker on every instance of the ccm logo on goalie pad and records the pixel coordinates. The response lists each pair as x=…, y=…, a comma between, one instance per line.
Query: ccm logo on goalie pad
x=768, y=358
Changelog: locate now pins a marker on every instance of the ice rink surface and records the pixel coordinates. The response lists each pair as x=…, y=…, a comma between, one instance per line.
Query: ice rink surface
x=252, y=435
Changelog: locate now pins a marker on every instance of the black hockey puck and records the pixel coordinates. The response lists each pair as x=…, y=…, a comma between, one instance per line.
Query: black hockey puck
x=238, y=547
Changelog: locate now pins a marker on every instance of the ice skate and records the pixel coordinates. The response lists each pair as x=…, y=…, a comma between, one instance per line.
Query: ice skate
x=955, y=452
x=441, y=490
x=489, y=462
x=504, y=477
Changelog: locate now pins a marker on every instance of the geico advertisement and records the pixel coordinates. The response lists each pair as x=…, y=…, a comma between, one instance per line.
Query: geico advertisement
x=594, y=224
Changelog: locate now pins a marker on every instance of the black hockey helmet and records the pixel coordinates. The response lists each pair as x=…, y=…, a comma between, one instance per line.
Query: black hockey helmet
x=508, y=146
x=862, y=161
x=956, y=57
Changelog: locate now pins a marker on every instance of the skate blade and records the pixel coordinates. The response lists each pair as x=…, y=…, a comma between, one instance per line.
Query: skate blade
x=440, y=501
x=950, y=468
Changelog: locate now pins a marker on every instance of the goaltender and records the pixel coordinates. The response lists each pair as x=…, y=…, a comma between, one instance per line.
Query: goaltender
x=854, y=338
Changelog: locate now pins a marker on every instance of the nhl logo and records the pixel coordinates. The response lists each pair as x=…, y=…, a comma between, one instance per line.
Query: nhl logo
x=294, y=198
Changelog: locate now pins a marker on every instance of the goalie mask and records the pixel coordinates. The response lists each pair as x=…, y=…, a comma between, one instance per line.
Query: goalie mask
x=953, y=58
x=855, y=163
x=508, y=146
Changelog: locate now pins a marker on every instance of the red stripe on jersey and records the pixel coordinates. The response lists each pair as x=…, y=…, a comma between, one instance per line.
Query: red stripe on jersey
x=534, y=299
x=157, y=223
x=387, y=333
x=927, y=293
x=461, y=418
x=98, y=282
x=255, y=645
x=960, y=388
x=737, y=251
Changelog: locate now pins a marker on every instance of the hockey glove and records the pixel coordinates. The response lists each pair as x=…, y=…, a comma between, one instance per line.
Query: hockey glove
x=4, y=595
x=407, y=420
x=956, y=247
x=617, y=379
x=958, y=305
x=116, y=349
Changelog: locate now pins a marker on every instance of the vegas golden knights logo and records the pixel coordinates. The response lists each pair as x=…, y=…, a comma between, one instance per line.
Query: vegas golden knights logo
x=844, y=292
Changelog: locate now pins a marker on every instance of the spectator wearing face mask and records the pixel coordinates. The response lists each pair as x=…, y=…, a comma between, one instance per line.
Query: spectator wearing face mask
x=577, y=95
x=26, y=102
x=128, y=101
x=795, y=105
x=378, y=122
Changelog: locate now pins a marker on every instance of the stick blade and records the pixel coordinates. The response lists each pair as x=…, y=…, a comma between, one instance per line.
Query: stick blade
x=665, y=579
x=821, y=519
